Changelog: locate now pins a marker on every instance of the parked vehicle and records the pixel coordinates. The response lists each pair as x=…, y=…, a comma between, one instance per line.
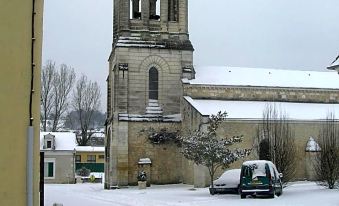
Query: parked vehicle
x=260, y=177
x=228, y=182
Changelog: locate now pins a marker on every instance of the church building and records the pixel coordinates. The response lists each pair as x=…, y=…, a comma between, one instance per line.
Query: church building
x=152, y=86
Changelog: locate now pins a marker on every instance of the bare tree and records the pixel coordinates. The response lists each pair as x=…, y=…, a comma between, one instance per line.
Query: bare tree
x=86, y=100
x=55, y=88
x=47, y=76
x=62, y=86
x=327, y=159
x=276, y=142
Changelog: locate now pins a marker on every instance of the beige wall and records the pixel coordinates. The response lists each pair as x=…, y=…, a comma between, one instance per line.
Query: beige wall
x=64, y=167
x=15, y=77
x=303, y=130
x=85, y=154
x=166, y=158
x=129, y=89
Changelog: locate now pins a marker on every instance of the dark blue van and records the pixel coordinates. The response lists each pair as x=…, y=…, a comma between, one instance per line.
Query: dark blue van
x=260, y=177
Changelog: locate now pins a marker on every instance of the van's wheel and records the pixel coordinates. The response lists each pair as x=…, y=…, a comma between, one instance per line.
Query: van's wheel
x=212, y=192
x=280, y=192
x=242, y=196
x=272, y=195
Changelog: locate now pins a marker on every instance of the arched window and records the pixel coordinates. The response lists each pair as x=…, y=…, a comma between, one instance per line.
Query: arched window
x=153, y=83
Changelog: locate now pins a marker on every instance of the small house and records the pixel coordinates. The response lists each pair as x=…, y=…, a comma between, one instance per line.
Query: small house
x=58, y=148
x=90, y=157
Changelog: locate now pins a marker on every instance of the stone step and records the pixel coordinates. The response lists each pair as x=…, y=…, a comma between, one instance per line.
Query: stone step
x=153, y=104
x=153, y=108
x=153, y=101
x=153, y=112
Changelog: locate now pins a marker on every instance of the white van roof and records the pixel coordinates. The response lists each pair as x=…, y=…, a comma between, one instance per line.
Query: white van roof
x=258, y=162
x=260, y=170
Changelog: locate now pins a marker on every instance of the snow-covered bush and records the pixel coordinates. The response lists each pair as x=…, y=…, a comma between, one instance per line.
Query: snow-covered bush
x=142, y=176
x=206, y=148
x=84, y=172
x=160, y=136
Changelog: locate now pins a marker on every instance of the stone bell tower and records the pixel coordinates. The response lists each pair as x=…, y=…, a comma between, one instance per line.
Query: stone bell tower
x=151, y=53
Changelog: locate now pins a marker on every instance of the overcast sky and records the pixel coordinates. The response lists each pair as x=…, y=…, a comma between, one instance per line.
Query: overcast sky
x=282, y=34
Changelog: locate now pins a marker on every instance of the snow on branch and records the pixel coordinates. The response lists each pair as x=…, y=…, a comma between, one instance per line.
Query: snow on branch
x=206, y=148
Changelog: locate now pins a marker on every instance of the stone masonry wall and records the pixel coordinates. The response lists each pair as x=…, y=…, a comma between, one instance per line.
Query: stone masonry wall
x=262, y=93
x=132, y=90
x=64, y=168
x=166, y=158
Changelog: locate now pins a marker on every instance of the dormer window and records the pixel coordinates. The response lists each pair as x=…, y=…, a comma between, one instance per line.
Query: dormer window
x=49, y=144
x=49, y=141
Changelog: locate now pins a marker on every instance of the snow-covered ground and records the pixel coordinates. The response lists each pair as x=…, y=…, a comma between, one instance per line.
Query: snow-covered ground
x=297, y=194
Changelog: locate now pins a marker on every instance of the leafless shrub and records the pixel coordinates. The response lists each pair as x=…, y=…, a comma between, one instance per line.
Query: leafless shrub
x=327, y=159
x=275, y=141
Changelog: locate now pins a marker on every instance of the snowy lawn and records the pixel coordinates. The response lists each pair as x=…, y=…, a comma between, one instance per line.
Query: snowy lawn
x=300, y=193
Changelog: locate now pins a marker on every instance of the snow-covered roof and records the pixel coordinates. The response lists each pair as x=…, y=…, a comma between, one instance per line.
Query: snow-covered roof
x=236, y=76
x=312, y=146
x=254, y=109
x=149, y=117
x=98, y=134
x=89, y=149
x=64, y=141
x=137, y=42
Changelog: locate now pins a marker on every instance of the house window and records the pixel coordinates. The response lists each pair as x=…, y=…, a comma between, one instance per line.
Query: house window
x=49, y=169
x=91, y=158
x=135, y=9
x=153, y=83
x=49, y=144
x=173, y=10
x=101, y=156
x=77, y=158
x=49, y=141
x=154, y=9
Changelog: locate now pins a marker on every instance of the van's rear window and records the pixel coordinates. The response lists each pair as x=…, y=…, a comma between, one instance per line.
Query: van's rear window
x=254, y=170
